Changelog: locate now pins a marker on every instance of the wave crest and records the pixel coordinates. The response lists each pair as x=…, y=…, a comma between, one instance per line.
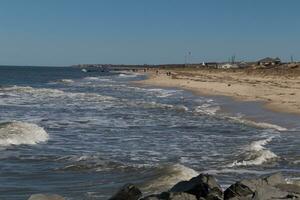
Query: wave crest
x=207, y=109
x=165, y=176
x=66, y=81
x=33, y=91
x=257, y=154
x=128, y=75
x=263, y=125
x=17, y=133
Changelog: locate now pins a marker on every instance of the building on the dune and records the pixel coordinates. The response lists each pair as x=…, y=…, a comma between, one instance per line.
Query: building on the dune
x=269, y=61
x=228, y=66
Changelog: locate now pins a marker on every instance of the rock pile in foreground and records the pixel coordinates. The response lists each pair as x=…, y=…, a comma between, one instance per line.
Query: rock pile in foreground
x=205, y=187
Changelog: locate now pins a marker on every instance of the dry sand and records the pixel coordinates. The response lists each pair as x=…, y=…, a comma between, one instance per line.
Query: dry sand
x=279, y=89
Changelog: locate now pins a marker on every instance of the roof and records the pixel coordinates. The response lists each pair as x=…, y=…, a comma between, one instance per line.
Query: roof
x=268, y=59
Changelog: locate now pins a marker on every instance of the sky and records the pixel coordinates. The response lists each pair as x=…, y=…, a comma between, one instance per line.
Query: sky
x=67, y=32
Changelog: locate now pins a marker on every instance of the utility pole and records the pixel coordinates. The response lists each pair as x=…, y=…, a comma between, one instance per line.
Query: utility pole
x=187, y=56
x=292, y=59
x=233, y=59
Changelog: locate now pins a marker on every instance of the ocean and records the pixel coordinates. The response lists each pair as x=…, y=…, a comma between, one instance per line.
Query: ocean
x=84, y=135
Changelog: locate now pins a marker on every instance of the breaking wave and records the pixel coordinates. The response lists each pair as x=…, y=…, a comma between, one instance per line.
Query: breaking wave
x=39, y=93
x=180, y=108
x=257, y=154
x=156, y=178
x=17, y=133
x=93, y=78
x=66, y=81
x=31, y=90
x=207, y=109
x=162, y=93
x=263, y=125
x=128, y=75
x=213, y=110
x=165, y=176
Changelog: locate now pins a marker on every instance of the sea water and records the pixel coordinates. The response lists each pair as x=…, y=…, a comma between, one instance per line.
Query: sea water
x=84, y=135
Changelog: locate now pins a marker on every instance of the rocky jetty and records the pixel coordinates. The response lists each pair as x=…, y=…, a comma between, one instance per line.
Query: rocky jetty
x=205, y=187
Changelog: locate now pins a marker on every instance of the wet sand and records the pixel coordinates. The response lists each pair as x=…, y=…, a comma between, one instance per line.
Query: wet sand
x=278, y=89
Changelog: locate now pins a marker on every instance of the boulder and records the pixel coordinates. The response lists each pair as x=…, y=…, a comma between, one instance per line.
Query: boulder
x=291, y=188
x=177, y=196
x=270, y=187
x=203, y=186
x=45, y=197
x=171, y=196
x=151, y=197
x=127, y=192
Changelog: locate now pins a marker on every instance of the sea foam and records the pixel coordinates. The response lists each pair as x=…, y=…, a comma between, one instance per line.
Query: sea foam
x=263, y=125
x=128, y=75
x=167, y=175
x=207, y=109
x=17, y=133
x=257, y=154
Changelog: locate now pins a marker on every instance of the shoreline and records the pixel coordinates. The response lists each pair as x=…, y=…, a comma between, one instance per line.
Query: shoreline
x=276, y=93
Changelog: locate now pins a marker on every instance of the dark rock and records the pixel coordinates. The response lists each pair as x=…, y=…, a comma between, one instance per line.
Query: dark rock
x=204, y=186
x=171, y=196
x=151, y=197
x=238, y=190
x=178, y=196
x=265, y=188
x=274, y=179
x=45, y=197
x=127, y=192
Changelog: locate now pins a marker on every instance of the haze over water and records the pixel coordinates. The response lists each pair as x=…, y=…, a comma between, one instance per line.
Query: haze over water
x=83, y=135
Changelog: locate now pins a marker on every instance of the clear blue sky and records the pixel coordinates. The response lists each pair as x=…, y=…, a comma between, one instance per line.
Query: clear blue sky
x=65, y=32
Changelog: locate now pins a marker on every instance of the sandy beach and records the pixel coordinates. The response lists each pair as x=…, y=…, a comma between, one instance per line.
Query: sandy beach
x=279, y=89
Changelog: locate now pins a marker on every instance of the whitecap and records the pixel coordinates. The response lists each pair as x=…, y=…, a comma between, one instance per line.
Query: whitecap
x=207, y=109
x=66, y=81
x=30, y=94
x=91, y=78
x=17, y=133
x=99, y=78
x=263, y=125
x=31, y=90
x=257, y=154
x=128, y=75
x=154, y=104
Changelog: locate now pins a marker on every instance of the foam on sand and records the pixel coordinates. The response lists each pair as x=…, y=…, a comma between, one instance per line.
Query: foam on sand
x=17, y=133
